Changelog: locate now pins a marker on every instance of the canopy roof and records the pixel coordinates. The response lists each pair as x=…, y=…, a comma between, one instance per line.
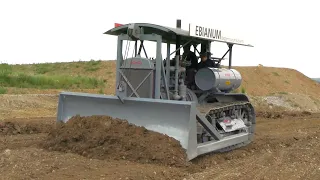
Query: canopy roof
x=168, y=34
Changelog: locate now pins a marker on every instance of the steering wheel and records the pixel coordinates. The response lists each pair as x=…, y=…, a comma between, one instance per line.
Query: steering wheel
x=217, y=60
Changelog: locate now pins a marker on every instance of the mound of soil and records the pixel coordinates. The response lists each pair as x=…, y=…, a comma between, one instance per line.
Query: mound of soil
x=14, y=128
x=102, y=137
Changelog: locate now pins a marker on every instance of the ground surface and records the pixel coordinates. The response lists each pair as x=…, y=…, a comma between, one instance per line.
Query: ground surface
x=286, y=147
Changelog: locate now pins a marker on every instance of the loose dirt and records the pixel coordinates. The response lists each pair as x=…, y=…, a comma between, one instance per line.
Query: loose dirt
x=14, y=127
x=269, y=114
x=102, y=137
x=28, y=105
x=284, y=148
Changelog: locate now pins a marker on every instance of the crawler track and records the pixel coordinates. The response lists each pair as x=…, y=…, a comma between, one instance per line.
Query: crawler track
x=241, y=109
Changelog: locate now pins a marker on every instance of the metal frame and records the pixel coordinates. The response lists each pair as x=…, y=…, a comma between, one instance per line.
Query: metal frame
x=161, y=34
x=143, y=37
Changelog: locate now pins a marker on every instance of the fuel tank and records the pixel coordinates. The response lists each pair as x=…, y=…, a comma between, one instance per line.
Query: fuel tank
x=218, y=78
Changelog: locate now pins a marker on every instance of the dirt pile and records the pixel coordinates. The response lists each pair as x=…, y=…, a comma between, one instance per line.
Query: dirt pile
x=14, y=128
x=102, y=137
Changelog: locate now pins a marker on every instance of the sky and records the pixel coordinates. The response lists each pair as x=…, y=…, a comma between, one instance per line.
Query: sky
x=284, y=33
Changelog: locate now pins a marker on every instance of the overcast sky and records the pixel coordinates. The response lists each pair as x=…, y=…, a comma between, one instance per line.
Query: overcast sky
x=284, y=33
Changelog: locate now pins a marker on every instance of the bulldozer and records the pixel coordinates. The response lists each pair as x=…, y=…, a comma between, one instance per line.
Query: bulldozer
x=204, y=115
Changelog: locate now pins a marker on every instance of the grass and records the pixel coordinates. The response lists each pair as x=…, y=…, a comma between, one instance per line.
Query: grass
x=92, y=65
x=38, y=79
x=275, y=73
x=3, y=90
x=241, y=90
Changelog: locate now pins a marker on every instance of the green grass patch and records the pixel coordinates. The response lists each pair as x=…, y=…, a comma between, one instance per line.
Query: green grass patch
x=42, y=68
x=92, y=69
x=5, y=69
x=3, y=90
x=48, y=68
x=49, y=82
x=44, y=76
x=92, y=65
x=101, y=91
x=243, y=90
x=22, y=80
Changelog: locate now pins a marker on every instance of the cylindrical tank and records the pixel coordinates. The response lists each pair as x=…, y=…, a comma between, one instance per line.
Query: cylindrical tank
x=220, y=78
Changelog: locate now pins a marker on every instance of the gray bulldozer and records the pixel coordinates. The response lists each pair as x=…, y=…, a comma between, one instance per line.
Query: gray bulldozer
x=202, y=113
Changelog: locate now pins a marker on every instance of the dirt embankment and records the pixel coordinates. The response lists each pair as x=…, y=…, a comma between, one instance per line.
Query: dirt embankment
x=103, y=137
x=265, y=81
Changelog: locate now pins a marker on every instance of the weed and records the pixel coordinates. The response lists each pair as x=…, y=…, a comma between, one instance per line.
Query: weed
x=283, y=93
x=275, y=73
x=101, y=91
x=92, y=69
x=92, y=65
x=5, y=68
x=3, y=90
x=42, y=68
x=243, y=90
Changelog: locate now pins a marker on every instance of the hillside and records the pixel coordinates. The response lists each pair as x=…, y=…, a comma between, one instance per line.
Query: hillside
x=257, y=80
x=316, y=79
x=92, y=76
x=261, y=81
x=278, y=86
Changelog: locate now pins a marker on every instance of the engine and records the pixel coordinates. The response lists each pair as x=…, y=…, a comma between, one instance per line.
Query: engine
x=221, y=79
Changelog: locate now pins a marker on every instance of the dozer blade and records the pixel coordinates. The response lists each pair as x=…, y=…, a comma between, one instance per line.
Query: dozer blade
x=176, y=119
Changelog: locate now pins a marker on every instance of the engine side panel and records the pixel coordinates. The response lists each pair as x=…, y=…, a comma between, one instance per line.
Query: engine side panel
x=136, y=78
